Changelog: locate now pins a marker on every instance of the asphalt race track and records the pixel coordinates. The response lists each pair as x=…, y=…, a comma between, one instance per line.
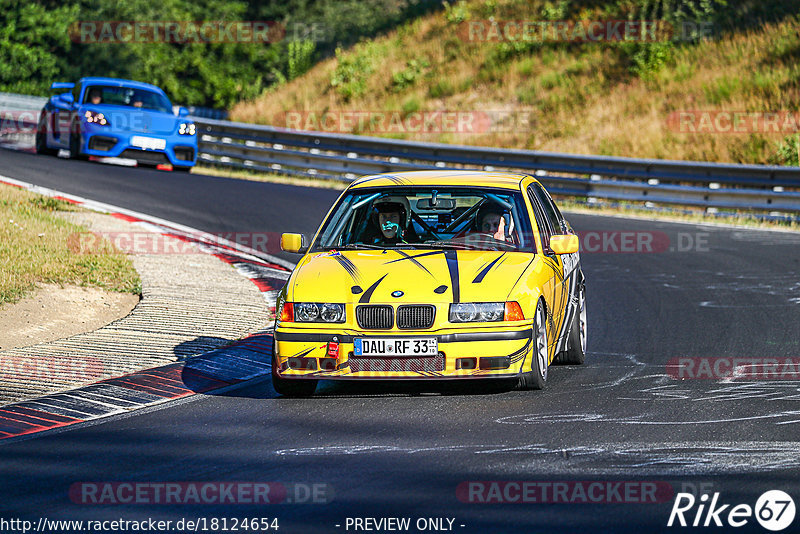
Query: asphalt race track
x=384, y=450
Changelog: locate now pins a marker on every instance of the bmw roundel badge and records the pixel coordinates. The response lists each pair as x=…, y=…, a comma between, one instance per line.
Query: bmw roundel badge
x=397, y=294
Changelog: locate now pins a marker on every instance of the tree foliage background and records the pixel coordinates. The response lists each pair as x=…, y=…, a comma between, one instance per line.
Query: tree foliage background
x=36, y=47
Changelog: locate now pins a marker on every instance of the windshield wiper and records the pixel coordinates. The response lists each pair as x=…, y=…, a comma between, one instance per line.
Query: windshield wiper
x=383, y=246
x=351, y=246
x=451, y=244
x=471, y=246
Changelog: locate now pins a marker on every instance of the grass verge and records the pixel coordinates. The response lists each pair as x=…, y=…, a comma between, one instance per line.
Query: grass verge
x=34, y=248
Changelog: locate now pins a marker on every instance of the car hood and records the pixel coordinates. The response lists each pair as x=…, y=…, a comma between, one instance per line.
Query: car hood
x=423, y=276
x=144, y=121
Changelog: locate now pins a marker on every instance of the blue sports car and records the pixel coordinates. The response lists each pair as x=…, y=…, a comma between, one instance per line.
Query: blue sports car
x=109, y=117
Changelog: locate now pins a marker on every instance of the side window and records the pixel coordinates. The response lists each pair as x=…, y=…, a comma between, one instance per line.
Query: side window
x=550, y=209
x=542, y=221
x=76, y=93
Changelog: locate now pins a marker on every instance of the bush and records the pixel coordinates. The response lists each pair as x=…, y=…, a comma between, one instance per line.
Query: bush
x=456, y=13
x=300, y=57
x=786, y=152
x=647, y=59
x=408, y=76
x=441, y=89
x=350, y=76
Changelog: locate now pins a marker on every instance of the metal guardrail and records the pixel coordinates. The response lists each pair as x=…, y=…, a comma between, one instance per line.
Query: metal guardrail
x=15, y=102
x=344, y=157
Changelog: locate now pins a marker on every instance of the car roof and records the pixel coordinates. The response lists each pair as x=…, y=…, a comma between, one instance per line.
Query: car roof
x=504, y=180
x=119, y=82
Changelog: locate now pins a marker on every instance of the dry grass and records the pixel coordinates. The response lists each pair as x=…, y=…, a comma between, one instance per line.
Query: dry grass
x=576, y=99
x=34, y=248
x=256, y=176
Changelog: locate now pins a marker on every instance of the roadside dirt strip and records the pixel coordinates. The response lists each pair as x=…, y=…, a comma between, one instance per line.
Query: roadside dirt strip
x=192, y=303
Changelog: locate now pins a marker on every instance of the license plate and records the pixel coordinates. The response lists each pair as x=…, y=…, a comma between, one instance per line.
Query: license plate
x=427, y=346
x=148, y=143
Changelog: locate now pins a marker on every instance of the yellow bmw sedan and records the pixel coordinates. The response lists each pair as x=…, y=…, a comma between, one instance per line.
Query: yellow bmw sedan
x=432, y=275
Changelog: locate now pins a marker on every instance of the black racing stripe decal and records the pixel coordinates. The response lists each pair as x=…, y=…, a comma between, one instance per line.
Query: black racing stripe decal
x=349, y=266
x=525, y=270
x=370, y=290
x=517, y=356
x=378, y=177
x=410, y=257
x=413, y=259
x=451, y=256
x=485, y=271
x=556, y=267
x=303, y=353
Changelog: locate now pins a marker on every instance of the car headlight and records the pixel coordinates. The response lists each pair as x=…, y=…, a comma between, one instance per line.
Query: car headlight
x=96, y=118
x=485, y=312
x=318, y=312
x=187, y=128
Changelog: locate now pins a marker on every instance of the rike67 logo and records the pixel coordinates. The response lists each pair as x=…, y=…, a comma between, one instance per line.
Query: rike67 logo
x=774, y=510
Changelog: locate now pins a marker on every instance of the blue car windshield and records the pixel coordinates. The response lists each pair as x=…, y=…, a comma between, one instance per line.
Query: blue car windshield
x=428, y=217
x=127, y=96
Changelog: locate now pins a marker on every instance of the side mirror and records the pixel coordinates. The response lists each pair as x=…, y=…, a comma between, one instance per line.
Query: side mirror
x=564, y=244
x=293, y=243
x=62, y=85
x=183, y=112
x=67, y=98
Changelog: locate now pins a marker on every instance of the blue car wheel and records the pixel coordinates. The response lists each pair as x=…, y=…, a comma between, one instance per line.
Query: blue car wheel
x=41, y=136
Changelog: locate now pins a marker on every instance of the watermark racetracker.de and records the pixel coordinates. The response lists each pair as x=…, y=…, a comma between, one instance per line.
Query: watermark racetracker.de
x=581, y=31
x=591, y=242
x=39, y=368
x=734, y=368
x=189, y=32
x=199, y=492
x=564, y=492
x=376, y=122
x=778, y=122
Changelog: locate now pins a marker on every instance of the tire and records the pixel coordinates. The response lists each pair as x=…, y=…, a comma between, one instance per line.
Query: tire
x=75, y=143
x=41, y=137
x=537, y=377
x=181, y=168
x=576, y=346
x=290, y=387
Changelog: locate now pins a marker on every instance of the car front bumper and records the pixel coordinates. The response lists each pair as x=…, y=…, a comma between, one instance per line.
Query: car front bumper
x=179, y=149
x=463, y=353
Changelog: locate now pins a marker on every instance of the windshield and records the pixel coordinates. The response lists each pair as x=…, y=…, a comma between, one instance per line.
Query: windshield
x=127, y=96
x=441, y=217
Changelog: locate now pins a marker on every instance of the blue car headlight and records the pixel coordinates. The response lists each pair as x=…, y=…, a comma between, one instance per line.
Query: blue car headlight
x=94, y=117
x=187, y=128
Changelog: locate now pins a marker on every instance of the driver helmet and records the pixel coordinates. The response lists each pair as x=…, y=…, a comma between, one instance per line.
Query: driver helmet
x=488, y=207
x=397, y=203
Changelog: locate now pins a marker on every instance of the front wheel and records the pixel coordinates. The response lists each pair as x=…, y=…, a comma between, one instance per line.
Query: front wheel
x=537, y=376
x=290, y=387
x=181, y=168
x=75, y=143
x=41, y=137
